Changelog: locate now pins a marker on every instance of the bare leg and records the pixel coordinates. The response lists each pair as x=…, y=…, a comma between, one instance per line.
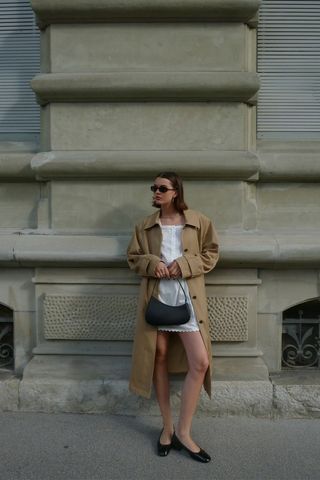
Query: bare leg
x=161, y=383
x=198, y=364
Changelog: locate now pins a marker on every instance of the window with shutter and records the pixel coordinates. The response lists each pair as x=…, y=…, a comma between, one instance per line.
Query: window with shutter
x=289, y=70
x=19, y=62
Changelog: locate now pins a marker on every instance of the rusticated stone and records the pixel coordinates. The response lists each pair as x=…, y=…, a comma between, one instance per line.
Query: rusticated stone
x=297, y=401
x=9, y=393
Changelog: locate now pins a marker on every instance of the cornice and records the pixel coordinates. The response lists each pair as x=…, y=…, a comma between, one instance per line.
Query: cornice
x=16, y=165
x=141, y=164
x=238, y=249
x=146, y=86
x=94, y=11
x=292, y=165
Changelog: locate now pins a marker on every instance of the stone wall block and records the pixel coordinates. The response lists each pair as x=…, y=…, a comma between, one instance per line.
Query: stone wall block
x=116, y=205
x=239, y=398
x=148, y=126
x=146, y=48
x=9, y=393
x=18, y=204
x=284, y=206
x=297, y=401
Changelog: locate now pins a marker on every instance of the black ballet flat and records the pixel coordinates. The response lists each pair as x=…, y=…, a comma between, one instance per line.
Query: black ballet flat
x=200, y=456
x=162, y=449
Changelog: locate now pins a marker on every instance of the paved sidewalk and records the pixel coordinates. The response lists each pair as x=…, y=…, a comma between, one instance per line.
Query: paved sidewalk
x=39, y=446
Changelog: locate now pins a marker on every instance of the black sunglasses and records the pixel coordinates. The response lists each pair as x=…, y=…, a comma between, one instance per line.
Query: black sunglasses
x=162, y=188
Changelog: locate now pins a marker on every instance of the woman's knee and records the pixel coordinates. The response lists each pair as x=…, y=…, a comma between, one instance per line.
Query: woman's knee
x=200, y=364
x=161, y=352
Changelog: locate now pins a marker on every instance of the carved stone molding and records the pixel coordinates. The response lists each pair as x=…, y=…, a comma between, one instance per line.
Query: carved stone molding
x=239, y=164
x=244, y=249
x=145, y=86
x=76, y=11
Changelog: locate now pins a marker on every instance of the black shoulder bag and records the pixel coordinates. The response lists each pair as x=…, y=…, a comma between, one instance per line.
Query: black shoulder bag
x=158, y=313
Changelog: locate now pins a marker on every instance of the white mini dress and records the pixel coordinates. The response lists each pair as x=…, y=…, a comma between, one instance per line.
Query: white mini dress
x=170, y=291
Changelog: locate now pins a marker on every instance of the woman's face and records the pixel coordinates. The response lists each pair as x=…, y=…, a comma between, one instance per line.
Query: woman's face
x=161, y=199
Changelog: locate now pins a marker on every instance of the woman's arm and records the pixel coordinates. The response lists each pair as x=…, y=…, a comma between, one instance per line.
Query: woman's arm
x=142, y=263
x=192, y=265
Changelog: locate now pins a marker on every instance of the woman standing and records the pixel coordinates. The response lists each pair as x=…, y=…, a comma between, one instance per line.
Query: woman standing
x=173, y=243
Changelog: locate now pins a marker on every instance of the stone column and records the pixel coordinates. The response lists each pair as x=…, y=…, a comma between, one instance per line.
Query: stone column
x=128, y=89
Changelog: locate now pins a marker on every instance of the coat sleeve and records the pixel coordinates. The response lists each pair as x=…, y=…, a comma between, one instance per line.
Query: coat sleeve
x=192, y=265
x=142, y=263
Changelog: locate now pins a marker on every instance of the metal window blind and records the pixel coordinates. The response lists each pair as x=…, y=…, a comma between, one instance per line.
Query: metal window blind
x=289, y=69
x=19, y=62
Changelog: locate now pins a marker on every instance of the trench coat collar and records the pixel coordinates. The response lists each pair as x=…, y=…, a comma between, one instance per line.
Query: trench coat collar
x=191, y=216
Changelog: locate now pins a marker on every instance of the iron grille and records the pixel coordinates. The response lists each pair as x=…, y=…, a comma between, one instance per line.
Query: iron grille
x=301, y=342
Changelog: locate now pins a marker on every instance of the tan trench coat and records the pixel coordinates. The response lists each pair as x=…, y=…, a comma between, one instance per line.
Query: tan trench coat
x=200, y=247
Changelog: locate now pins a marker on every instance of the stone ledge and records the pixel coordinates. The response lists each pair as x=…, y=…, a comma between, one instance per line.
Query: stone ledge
x=112, y=396
x=145, y=86
x=141, y=164
x=77, y=11
x=238, y=249
x=93, y=384
x=16, y=165
x=276, y=166
x=100, y=385
x=289, y=166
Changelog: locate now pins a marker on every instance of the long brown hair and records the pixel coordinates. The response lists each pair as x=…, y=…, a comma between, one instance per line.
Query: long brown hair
x=176, y=183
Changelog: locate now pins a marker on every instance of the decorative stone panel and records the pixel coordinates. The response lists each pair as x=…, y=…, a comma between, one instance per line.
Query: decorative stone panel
x=228, y=318
x=89, y=317
x=112, y=317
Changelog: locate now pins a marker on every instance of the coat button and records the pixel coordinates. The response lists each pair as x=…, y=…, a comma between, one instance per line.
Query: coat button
x=200, y=321
x=194, y=297
x=185, y=250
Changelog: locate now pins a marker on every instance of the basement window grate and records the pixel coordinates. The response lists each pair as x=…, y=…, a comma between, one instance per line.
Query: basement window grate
x=301, y=336
x=6, y=339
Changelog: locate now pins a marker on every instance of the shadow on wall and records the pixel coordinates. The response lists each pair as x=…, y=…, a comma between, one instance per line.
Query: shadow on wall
x=20, y=59
x=124, y=219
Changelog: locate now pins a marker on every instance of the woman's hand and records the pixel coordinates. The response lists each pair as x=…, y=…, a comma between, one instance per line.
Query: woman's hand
x=161, y=271
x=174, y=269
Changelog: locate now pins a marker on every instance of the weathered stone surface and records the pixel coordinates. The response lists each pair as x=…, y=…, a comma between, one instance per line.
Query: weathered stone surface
x=289, y=161
x=143, y=47
x=116, y=205
x=296, y=393
x=288, y=205
x=149, y=125
x=93, y=384
x=88, y=384
x=297, y=401
x=15, y=164
x=229, y=398
x=238, y=398
x=281, y=289
x=100, y=384
x=9, y=392
x=18, y=202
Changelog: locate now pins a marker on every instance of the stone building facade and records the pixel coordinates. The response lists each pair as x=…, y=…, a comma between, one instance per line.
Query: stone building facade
x=128, y=89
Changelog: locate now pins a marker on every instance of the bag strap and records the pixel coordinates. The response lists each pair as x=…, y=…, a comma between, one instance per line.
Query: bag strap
x=158, y=279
